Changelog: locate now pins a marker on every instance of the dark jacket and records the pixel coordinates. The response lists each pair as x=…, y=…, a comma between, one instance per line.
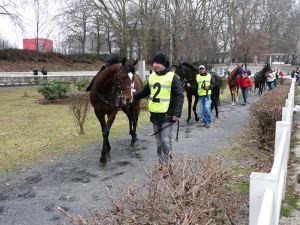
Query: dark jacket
x=176, y=101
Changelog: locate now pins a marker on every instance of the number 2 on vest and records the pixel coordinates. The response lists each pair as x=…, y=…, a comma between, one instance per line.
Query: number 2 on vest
x=158, y=86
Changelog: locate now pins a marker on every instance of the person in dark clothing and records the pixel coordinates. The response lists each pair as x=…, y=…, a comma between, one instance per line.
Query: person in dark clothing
x=35, y=72
x=44, y=72
x=165, y=92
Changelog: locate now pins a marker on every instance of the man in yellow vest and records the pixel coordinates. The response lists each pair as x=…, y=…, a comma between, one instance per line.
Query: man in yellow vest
x=165, y=92
x=205, y=83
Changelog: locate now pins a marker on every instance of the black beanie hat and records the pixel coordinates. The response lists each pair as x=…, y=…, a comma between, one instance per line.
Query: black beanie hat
x=161, y=59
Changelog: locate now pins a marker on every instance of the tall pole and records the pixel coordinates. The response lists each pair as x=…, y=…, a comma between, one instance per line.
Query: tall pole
x=170, y=36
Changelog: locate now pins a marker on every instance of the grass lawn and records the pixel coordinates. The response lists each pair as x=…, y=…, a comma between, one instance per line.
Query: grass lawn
x=30, y=132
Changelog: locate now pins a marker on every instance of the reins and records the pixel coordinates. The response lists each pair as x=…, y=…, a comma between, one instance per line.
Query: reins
x=160, y=130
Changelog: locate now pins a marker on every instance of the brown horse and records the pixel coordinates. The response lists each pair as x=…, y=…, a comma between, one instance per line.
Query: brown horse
x=233, y=86
x=111, y=90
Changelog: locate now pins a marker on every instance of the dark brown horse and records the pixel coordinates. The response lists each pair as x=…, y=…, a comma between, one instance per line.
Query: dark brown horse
x=232, y=84
x=111, y=90
x=260, y=78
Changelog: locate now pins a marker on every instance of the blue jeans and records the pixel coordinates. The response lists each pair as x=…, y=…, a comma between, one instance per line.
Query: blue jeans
x=205, y=103
x=270, y=85
x=245, y=93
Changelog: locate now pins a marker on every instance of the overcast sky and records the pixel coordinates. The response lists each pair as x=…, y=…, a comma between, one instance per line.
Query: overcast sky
x=14, y=34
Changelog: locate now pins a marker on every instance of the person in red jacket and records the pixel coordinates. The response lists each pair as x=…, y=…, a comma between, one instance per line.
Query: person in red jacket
x=245, y=84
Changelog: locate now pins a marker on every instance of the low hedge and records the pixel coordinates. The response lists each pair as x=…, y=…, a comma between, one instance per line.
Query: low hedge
x=265, y=113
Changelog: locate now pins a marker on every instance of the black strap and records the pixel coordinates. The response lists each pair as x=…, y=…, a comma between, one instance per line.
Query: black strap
x=160, y=130
x=177, y=133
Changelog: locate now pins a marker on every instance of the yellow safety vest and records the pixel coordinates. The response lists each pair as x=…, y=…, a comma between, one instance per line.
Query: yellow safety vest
x=274, y=74
x=203, y=81
x=160, y=88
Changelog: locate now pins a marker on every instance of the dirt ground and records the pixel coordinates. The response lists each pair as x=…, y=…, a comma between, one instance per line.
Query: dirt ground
x=77, y=184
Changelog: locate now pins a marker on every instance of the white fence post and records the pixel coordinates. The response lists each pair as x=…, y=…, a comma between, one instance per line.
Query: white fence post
x=259, y=182
x=280, y=126
x=142, y=70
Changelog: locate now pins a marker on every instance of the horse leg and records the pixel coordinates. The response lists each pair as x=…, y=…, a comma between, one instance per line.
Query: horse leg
x=105, y=133
x=195, y=107
x=215, y=101
x=231, y=95
x=237, y=94
x=189, y=98
x=136, y=111
x=212, y=105
x=232, y=92
x=132, y=116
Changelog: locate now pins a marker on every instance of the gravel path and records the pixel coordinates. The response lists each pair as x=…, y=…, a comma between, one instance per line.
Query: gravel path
x=76, y=183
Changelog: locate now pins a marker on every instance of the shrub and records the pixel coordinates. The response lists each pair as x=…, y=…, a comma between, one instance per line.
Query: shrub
x=81, y=85
x=79, y=105
x=264, y=114
x=55, y=89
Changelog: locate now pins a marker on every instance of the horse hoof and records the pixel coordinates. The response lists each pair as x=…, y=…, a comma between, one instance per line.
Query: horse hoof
x=232, y=103
x=102, y=162
x=197, y=119
x=108, y=156
x=132, y=145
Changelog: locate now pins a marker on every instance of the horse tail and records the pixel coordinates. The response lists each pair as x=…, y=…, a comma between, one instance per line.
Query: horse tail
x=94, y=78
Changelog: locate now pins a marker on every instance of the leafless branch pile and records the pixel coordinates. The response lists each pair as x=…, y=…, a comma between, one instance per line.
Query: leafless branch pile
x=188, y=191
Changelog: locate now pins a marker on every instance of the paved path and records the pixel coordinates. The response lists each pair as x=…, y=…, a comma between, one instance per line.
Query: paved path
x=76, y=183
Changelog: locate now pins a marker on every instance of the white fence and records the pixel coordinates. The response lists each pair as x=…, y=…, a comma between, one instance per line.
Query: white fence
x=27, y=78
x=220, y=68
x=267, y=190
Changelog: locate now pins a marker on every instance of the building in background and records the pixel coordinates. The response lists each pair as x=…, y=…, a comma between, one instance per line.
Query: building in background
x=43, y=44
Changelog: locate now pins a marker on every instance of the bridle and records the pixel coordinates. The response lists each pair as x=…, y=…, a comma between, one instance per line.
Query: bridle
x=118, y=91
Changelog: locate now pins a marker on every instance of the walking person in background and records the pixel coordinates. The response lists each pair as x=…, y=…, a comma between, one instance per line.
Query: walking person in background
x=270, y=80
x=205, y=83
x=275, y=74
x=245, y=83
x=297, y=74
x=281, y=77
x=165, y=104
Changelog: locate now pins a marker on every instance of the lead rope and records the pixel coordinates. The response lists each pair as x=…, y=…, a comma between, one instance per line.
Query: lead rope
x=177, y=133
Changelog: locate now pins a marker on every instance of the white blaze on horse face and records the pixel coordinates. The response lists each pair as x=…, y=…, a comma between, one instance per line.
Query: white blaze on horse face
x=132, y=85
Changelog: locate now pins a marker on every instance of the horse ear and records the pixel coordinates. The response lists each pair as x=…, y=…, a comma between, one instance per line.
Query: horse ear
x=135, y=62
x=124, y=61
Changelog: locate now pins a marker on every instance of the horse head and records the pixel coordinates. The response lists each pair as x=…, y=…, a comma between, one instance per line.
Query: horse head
x=125, y=82
x=186, y=72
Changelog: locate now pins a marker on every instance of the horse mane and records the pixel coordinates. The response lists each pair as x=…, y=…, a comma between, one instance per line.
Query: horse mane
x=233, y=73
x=265, y=68
x=111, y=60
x=190, y=66
x=94, y=78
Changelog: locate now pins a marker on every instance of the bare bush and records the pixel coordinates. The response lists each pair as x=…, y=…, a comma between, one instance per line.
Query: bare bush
x=264, y=114
x=79, y=105
x=188, y=191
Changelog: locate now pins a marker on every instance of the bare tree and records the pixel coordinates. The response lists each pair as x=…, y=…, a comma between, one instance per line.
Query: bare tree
x=116, y=13
x=9, y=8
x=75, y=19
